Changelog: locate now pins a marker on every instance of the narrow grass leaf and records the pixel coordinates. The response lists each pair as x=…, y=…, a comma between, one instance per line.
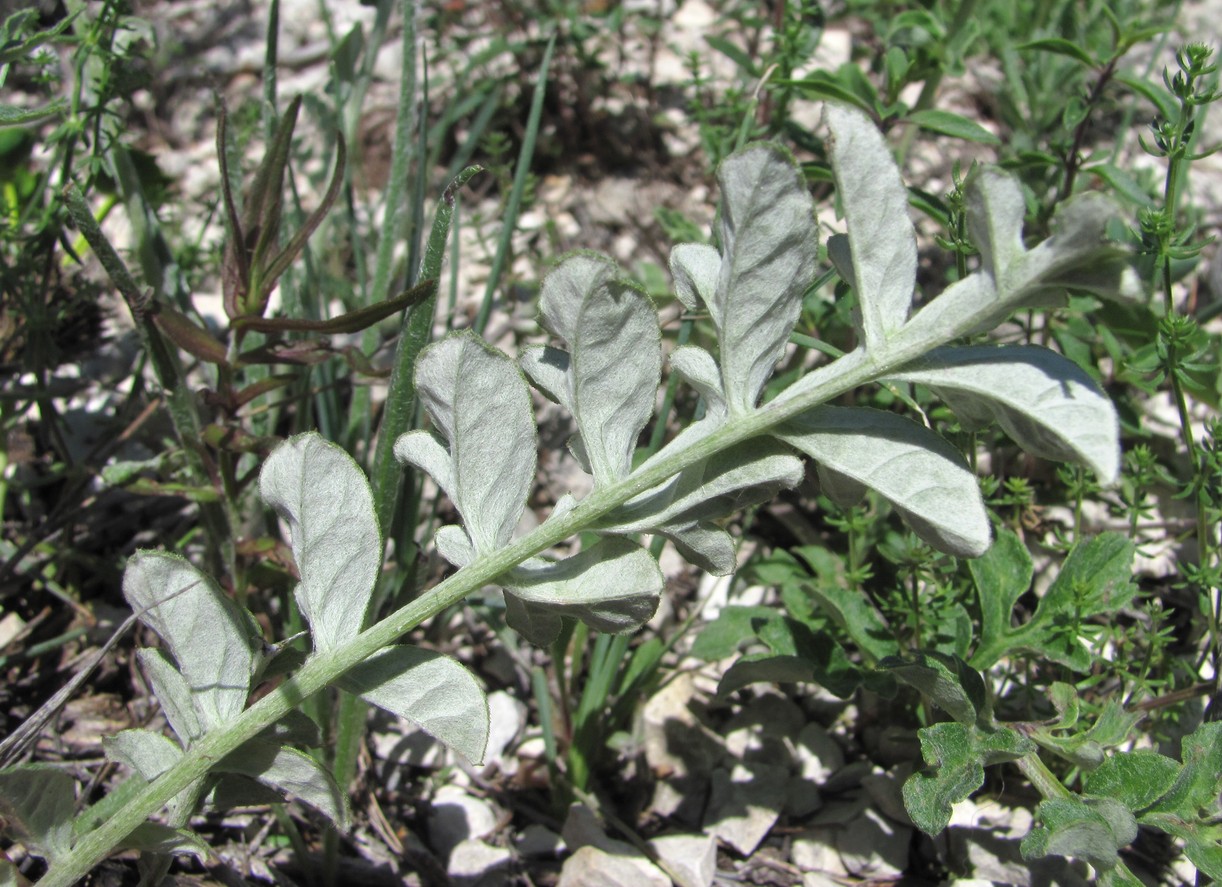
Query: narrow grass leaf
x=324, y=497
x=1059, y=46
x=950, y=124
x=12, y=115
x=882, y=238
x=1045, y=402
x=434, y=692
x=922, y=475
x=213, y=641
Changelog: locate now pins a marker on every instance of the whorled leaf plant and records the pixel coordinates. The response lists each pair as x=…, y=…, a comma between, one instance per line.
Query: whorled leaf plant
x=605, y=368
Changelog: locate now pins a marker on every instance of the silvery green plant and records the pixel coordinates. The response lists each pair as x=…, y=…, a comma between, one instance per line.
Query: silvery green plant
x=604, y=368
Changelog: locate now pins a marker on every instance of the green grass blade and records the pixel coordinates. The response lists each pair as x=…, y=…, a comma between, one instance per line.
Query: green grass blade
x=519, y=186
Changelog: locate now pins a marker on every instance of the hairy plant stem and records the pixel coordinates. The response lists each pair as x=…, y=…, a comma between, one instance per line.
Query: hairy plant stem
x=923, y=332
x=1050, y=788
x=323, y=668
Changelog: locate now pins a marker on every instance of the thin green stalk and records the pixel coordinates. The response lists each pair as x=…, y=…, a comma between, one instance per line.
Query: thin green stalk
x=322, y=669
x=179, y=400
x=402, y=155
x=352, y=711
x=929, y=89
x=521, y=172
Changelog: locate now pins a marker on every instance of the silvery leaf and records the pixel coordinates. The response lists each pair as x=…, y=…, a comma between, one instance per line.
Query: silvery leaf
x=295, y=728
x=324, y=497
x=434, y=692
x=227, y=791
x=478, y=400
x=613, y=586
x=142, y=751
x=157, y=839
x=615, y=357
x=174, y=694
x=743, y=475
x=426, y=452
x=922, y=475
x=1044, y=401
x=695, y=268
x=962, y=299
x=698, y=368
x=38, y=803
x=538, y=625
x=1078, y=255
x=292, y=773
x=881, y=238
x=769, y=246
x=454, y=545
x=548, y=369
x=840, y=488
x=995, y=211
x=213, y=641
x=704, y=545
x=840, y=254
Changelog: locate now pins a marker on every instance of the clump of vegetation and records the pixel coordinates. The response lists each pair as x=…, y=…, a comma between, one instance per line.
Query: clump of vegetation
x=902, y=390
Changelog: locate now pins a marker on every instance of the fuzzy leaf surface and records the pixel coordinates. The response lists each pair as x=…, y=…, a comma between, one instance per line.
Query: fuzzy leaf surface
x=948, y=682
x=881, y=238
x=797, y=653
x=615, y=357
x=695, y=268
x=213, y=641
x=613, y=586
x=325, y=499
x=1084, y=828
x=142, y=751
x=1136, y=778
x=1095, y=579
x=1002, y=575
x=769, y=255
x=173, y=693
x=434, y=692
x=290, y=772
x=1045, y=402
x=155, y=838
x=956, y=754
x=479, y=402
x=1190, y=810
x=735, y=478
x=683, y=508
x=38, y=802
x=922, y=475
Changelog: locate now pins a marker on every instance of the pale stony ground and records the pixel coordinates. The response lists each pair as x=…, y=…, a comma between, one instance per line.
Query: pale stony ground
x=770, y=789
